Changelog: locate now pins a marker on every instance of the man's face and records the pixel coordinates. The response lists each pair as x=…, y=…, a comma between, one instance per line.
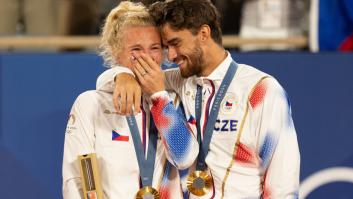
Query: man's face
x=137, y=40
x=184, y=49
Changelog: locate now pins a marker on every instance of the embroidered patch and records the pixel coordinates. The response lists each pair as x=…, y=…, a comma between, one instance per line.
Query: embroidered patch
x=106, y=111
x=229, y=103
x=117, y=137
x=72, y=119
x=71, y=124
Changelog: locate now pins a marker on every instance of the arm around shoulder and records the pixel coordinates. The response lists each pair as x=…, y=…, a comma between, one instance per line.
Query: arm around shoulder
x=106, y=81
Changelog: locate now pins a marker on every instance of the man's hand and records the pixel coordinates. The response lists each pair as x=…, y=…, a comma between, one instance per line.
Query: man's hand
x=127, y=94
x=149, y=74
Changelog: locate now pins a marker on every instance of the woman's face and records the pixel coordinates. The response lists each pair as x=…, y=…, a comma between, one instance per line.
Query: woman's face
x=138, y=39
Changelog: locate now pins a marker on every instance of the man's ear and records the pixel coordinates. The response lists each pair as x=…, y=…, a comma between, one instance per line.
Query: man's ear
x=204, y=33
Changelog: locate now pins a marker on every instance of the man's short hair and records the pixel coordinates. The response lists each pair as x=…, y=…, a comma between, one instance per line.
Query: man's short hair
x=188, y=14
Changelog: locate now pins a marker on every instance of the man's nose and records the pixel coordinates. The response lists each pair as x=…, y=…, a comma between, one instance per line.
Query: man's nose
x=172, y=54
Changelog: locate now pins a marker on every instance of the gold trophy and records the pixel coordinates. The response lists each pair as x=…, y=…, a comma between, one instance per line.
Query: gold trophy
x=91, y=184
x=199, y=183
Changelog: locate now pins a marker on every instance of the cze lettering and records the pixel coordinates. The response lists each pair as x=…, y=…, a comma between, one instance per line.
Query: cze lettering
x=226, y=125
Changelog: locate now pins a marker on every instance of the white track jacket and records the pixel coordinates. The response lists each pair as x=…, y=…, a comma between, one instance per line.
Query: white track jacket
x=253, y=151
x=94, y=127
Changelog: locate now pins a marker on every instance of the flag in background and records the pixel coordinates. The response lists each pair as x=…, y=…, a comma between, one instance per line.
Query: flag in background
x=331, y=26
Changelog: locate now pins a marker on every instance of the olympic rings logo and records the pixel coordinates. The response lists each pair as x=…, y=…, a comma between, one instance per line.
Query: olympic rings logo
x=314, y=181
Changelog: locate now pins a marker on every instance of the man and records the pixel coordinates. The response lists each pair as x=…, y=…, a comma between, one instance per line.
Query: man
x=241, y=116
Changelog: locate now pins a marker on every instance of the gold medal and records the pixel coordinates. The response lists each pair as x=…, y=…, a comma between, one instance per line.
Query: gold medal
x=147, y=192
x=199, y=183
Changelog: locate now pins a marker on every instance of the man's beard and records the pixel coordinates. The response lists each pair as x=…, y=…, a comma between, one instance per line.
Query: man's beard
x=194, y=66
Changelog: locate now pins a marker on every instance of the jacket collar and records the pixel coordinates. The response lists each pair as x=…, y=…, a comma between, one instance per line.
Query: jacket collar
x=218, y=73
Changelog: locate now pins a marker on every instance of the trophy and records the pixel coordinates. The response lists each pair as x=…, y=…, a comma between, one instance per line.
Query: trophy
x=91, y=183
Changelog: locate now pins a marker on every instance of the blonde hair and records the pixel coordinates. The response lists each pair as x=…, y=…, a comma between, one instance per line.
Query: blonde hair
x=126, y=14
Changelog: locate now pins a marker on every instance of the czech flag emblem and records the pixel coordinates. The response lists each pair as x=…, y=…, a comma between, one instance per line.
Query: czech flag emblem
x=117, y=137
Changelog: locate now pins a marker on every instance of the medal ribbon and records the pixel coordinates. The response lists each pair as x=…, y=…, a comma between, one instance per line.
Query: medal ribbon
x=205, y=143
x=146, y=166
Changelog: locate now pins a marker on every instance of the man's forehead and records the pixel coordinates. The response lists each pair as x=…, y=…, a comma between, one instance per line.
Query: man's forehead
x=168, y=33
x=167, y=30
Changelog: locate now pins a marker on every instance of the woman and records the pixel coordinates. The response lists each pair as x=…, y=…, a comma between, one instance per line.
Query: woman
x=94, y=126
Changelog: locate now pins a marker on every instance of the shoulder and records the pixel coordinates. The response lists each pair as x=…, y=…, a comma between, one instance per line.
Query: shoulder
x=268, y=89
x=93, y=98
x=257, y=84
x=246, y=71
x=255, y=76
x=173, y=73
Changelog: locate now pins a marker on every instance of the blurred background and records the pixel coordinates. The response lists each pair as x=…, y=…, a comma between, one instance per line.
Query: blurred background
x=48, y=56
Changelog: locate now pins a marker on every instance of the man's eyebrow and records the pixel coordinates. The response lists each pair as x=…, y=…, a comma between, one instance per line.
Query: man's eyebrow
x=173, y=41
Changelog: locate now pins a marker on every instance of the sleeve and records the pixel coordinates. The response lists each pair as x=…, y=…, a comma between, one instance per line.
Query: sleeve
x=79, y=140
x=277, y=141
x=179, y=141
x=173, y=80
x=105, y=81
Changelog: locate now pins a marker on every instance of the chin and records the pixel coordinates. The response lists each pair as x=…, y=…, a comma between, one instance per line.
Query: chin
x=185, y=73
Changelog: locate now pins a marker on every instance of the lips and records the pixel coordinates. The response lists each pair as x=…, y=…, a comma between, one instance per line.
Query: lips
x=180, y=61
